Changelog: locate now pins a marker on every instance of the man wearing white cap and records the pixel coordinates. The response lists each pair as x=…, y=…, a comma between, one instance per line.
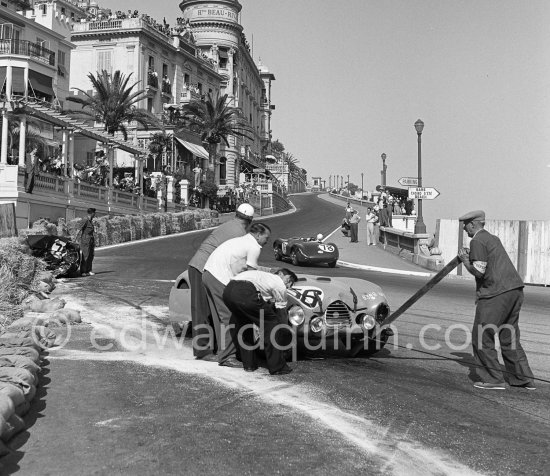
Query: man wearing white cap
x=203, y=331
x=499, y=296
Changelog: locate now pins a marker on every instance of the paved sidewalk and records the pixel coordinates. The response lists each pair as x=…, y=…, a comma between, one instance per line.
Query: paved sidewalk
x=361, y=255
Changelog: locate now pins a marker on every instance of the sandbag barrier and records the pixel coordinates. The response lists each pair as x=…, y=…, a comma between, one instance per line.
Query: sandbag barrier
x=112, y=230
x=22, y=345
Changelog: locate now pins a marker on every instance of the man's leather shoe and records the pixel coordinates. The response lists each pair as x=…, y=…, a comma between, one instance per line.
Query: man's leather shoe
x=285, y=370
x=251, y=369
x=231, y=362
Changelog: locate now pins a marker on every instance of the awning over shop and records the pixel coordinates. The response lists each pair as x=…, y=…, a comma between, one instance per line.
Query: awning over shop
x=197, y=150
x=41, y=82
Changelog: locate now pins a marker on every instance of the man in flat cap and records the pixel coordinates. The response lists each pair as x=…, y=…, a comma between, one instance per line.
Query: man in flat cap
x=499, y=296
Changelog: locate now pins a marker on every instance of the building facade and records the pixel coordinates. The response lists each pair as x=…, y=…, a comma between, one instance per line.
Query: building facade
x=219, y=37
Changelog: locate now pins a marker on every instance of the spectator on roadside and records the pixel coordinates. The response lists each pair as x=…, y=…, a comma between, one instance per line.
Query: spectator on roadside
x=349, y=210
x=385, y=216
x=226, y=261
x=201, y=317
x=354, y=226
x=371, y=218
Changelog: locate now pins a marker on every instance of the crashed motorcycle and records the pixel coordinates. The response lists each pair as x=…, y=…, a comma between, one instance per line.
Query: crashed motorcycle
x=61, y=255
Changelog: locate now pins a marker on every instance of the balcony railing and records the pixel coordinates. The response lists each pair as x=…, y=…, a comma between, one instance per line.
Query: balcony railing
x=123, y=24
x=27, y=48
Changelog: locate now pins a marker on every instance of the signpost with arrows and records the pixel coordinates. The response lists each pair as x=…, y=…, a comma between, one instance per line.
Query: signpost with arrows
x=423, y=193
x=408, y=181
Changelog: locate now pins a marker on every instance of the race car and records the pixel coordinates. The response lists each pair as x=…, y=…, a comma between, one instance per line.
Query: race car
x=324, y=313
x=305, y=251
x=61, y=255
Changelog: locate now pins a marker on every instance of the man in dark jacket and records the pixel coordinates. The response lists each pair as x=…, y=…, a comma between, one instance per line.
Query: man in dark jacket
x=499, y=296
x=87, y=243
x=32, y=169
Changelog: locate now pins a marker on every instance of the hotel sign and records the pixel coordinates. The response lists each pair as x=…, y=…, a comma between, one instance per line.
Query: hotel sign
x=215, y=13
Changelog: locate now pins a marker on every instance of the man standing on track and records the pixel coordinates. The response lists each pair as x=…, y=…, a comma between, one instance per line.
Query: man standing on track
x=499, y=296
x=203, y=332
x=87, y=243
x=225, y=262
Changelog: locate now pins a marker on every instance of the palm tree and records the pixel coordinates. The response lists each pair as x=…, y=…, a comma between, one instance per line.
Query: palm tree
x=215, y=120
x=113, y=102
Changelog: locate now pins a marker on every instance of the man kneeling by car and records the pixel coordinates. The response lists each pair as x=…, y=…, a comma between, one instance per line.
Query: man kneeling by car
x=258, y=297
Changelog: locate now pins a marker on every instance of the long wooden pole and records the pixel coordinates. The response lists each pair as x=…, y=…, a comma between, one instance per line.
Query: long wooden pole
x=429, y=285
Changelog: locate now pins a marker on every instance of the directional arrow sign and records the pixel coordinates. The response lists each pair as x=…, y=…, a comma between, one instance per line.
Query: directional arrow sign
x=423, y=193
x=408, y=181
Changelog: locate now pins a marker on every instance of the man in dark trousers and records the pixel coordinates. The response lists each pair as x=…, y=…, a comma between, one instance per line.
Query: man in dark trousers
x=226, y=261
x=203, y=332
x=354, y=226
x=385, y=216
x=499, y=296
x=257, y=297
x=32, y=169
x=87, y=243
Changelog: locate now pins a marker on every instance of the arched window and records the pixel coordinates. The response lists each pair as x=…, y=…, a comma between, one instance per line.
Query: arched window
x=223, y=171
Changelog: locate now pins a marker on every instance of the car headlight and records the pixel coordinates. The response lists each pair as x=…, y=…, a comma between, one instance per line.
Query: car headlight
x=316, y=324
x=368, y=322
x=296, y=315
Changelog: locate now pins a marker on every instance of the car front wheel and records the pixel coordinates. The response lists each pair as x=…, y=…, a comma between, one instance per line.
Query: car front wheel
x=277, y=253
x=294, y=258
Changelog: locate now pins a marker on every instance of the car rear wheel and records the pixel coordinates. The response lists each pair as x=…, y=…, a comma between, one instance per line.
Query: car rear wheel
x=294, y=258
x=277, y=253
x=332, y=264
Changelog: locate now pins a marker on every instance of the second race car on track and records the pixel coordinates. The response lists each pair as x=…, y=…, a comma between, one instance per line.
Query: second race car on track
x=305, y=251
x=325, y=313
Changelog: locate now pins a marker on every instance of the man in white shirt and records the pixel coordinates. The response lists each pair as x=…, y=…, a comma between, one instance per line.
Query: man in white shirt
x=257, y=297
x=371, y=220
x=226, y=261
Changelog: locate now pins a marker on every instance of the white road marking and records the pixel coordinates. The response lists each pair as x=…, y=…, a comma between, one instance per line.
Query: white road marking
x=398, y=454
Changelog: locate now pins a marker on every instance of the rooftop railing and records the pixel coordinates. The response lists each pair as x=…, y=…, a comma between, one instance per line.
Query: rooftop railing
x=27, y=48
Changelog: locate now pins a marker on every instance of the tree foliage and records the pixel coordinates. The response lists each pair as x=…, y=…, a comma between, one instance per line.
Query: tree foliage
x=113, y=103
x=215, y=121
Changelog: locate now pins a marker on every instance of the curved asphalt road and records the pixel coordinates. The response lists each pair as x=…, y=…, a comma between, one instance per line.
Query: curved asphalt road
x=407, y=410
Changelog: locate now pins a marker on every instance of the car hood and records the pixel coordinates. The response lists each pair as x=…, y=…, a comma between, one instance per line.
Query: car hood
x=367, y=293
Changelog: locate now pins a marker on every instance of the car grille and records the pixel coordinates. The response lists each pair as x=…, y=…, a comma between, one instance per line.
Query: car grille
x=337, y=314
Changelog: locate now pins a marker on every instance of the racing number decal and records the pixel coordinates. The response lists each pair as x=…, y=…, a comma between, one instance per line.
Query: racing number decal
x=327, y=248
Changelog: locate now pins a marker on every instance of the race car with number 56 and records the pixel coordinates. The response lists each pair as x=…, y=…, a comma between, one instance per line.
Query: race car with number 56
x=304, y=251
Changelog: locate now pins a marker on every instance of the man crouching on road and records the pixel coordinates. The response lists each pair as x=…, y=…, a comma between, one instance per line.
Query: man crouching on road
x=258, y=297
x=499, y=296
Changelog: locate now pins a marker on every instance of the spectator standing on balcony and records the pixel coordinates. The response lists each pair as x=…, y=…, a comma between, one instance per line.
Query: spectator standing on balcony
x=203, y=342
x=32, y=169
x=87, y=243
x=354, y=226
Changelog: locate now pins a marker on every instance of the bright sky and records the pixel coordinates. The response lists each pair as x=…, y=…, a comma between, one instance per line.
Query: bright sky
x=353, y=76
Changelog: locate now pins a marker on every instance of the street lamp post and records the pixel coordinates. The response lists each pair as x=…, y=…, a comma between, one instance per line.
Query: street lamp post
x=348, y=185
x=384, y=168
x=419, y=226
x=362, y=193
x=330, y=182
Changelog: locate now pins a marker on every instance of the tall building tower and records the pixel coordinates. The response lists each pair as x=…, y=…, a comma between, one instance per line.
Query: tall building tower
x=219, y=36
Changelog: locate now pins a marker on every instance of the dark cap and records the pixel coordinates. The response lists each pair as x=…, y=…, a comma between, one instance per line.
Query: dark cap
x=90, y=210
x=476, y=215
